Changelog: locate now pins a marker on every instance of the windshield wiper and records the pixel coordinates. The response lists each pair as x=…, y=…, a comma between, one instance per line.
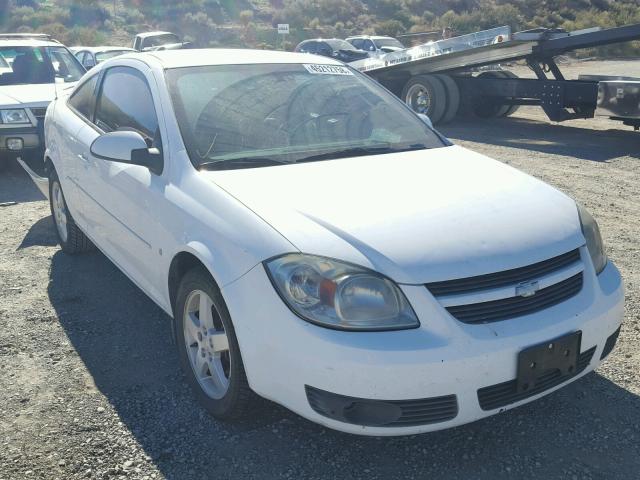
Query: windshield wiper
x=360, y=152
x=237, y=163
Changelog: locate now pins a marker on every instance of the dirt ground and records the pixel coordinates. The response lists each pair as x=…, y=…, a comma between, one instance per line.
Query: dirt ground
x=90, y=385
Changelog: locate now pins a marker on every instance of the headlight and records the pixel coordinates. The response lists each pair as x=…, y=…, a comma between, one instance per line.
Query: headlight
x=14, y=116
x=339, y=295
x=591, y=234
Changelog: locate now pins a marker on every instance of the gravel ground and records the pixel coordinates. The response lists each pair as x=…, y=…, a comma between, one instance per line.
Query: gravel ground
x=90, y=385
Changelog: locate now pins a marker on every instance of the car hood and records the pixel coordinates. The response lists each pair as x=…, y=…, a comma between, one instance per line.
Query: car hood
x=417, y=216
x=30, y=94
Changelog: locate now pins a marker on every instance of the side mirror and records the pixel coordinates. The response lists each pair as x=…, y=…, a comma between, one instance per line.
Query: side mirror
x=426, y=120
x=127, y=147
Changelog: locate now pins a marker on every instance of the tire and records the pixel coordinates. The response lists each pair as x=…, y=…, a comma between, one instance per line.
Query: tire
x=433, y=100
x=512, y=108
x=221, y=384
x=487, y=107
x=71, y=239
x=453, y=98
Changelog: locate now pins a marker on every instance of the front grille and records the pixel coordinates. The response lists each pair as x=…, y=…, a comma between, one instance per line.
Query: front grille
x=505, y=278
x=610, y=344
x=503, y=394
x=511, y=307
x=382, y=413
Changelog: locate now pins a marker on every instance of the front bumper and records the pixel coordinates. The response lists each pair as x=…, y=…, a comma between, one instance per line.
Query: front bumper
x=32, y=141
x=284, y=355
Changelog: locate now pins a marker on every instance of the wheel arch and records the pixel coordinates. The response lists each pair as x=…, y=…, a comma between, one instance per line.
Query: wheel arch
x=191, y=256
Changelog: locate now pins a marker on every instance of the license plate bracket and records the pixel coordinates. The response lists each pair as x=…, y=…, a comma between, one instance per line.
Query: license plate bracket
x=559, y=354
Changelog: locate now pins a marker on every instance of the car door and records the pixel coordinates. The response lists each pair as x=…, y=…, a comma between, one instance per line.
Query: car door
x=125, y=202
x=73, y=118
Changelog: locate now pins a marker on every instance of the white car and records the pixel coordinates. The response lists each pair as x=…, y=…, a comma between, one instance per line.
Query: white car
x=89, y=57
x=319, y=245
x=377, y=46
x=33, y=68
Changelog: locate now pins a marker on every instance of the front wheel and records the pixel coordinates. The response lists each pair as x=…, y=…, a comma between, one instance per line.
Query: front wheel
x=208, y=348
x=70, y=237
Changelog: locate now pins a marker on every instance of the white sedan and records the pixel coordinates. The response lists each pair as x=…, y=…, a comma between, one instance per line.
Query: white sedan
x=318, y=244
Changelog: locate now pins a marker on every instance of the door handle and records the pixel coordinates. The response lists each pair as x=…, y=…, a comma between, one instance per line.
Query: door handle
x=83, y=157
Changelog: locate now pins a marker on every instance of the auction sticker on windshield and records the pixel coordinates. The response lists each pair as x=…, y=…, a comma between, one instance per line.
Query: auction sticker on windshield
x=328, y=69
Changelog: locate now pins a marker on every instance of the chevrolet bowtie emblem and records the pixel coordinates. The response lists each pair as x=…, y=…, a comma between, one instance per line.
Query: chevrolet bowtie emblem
x=527, y=289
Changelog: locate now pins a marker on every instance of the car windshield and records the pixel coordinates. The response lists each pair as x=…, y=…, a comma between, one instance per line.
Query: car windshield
x=387, y=42
x=159, y=40
x=30, y=65
x=243, y=116
x=340, y=45
x=102, y=56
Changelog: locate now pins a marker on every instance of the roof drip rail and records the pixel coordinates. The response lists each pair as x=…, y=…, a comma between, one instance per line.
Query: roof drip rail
x=27, y=36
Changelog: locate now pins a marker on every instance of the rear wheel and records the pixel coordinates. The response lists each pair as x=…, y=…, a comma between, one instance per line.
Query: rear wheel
x=488, y=107
x=70, y=237
x=453, y=98
x=208, y=347
x=512, y=108
x=426, y=94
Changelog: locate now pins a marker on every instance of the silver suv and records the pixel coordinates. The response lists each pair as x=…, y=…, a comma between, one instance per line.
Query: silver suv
x=33, y=69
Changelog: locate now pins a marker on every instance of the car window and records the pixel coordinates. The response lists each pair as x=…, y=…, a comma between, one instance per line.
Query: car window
x=89, y=61
x=309, y=47
x=357, y=43
x=369, y=46
x=3, y=62
x=36, y=65
x=125, y=103
x=324, y=49
x=304, y=111
x=83, y=99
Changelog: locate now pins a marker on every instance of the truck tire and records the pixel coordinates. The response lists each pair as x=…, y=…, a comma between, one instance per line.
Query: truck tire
x=453, y=98
x=487, y=107
x=512, y=108
x=71, y=239
x=426, y=94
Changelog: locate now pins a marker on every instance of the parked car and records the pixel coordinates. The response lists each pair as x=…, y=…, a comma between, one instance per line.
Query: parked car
x=332, y=48
x=32, y=68
x=324, y=247
x=151, y=41
x=89, y=57
x=376, y=45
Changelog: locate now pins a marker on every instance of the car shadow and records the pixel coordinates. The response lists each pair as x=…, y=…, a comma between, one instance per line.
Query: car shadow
x=545, y=137
x=125, y=341
x=17, y=186
x=42, y=233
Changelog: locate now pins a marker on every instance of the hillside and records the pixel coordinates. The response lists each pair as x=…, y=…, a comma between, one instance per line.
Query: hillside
x=251, y=22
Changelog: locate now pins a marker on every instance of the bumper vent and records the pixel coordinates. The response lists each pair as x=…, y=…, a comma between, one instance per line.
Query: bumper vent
x=503, y=394
x=505, y=278
x=610, y=344
x=382, y=413
x=511, y=307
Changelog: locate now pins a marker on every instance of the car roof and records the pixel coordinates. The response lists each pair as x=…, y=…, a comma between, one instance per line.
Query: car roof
x=28, y=42
x=149, y=34
x=105, y=49
x=370, y=37
x=220, y=56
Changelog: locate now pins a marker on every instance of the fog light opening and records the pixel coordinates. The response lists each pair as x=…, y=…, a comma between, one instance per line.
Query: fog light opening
x=14, y=144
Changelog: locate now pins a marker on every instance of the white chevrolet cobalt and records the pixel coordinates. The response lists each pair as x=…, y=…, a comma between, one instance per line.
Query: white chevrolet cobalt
x=318, y=244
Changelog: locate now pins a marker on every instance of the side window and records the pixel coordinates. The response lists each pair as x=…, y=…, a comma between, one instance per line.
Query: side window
x=309, y=47
x=357, y=43
x=369, y=46
x=80, y=56
x=88, y=61
x=83, y=99
x=125, y=103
